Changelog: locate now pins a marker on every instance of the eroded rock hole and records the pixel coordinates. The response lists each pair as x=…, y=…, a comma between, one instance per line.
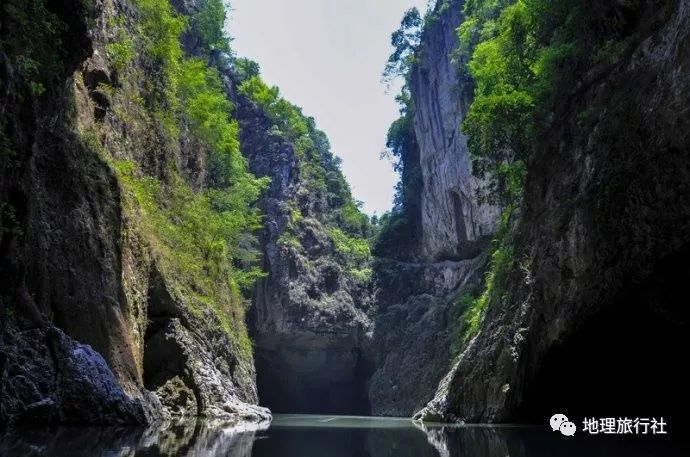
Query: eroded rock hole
x=165, y=361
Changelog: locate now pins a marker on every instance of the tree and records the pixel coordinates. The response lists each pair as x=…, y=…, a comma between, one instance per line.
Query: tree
x=209, y=25
x=405, y=41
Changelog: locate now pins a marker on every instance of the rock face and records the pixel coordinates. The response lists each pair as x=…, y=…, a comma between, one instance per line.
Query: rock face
x=62, y=263
x=190, y=365
x=93, y=328
x=326, y=342
x=419, y=306
x=454, y=222
x=51, y=378
x=600, y=242
x=309, y=318
x=417, y=330
x=90, y=322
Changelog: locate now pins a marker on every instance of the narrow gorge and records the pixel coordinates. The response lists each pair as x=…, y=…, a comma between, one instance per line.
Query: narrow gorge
x=179, y=240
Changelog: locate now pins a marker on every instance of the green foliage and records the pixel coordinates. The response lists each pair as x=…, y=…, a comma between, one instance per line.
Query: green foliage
x=462, y=313
x=351, y=219
x=195, y=229
x=523, y=54
x=354, y=248
x=209, y=25
x=500, y=122
x=203, y=240
x=355, y=253
x=30, y=38
x=192, y=242
x=245, y=68
x=120, y=52
x=405, y=41
x=401, y=144
x=37, y=89
x=196, y=89
x=290, y=123
x=501, y=264
x=161, y=27
x=526, y=55
x=362, y=275
x=320, y=175
x=319, y=168
x=207, y=108
x=399, y=229
x=287, y=117
x=480, y=22
x=392, y=234
x=159, y=31
x=289, y=239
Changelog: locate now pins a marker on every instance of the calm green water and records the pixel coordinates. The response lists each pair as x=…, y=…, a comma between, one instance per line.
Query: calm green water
x=325, y=436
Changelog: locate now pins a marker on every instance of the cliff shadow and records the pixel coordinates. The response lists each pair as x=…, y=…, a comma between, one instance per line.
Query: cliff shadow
x=312, y=380
x=626, y=360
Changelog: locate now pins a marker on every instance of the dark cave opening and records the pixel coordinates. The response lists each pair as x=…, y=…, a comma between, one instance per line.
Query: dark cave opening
x=163, y=357
x=303, y=380
x=625, y=361
x=165, y=361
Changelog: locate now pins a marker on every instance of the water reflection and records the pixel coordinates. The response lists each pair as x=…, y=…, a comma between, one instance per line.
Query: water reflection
x=343, y=436
x=519, y=441
x=189, y=438
x=321, y=436
x=485, y=441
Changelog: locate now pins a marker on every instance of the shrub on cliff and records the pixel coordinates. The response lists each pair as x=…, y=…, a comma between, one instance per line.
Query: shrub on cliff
x=523, y=53
x=201, y=234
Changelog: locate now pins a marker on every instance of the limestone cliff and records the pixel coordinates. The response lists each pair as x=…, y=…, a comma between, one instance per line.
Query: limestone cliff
x=310, y=314
x=422, y=290
x=600, y=244
x=96, y=313
x=455, y=224
x=153, y=190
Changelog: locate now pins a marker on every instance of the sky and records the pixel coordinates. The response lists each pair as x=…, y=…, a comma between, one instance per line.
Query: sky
x=327, y=56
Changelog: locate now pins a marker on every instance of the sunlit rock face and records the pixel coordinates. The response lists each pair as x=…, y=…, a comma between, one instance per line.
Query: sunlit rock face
x=419, y=309
x=454, y=222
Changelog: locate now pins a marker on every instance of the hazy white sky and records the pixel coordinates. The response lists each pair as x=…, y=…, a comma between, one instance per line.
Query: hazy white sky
x=327, y=57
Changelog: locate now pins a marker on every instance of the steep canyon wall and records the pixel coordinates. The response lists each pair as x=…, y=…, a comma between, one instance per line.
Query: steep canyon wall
x=598, y=245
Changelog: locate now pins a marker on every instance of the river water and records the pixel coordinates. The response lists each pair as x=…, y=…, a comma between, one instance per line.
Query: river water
x=326, y=436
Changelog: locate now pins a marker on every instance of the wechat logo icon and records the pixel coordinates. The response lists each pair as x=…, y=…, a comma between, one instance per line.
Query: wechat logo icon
x=560, y=422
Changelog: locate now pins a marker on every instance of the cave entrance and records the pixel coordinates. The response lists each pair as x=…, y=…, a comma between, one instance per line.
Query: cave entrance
x=312, y=379
x=628, y=360
x=467, y=246
x=166, y=365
